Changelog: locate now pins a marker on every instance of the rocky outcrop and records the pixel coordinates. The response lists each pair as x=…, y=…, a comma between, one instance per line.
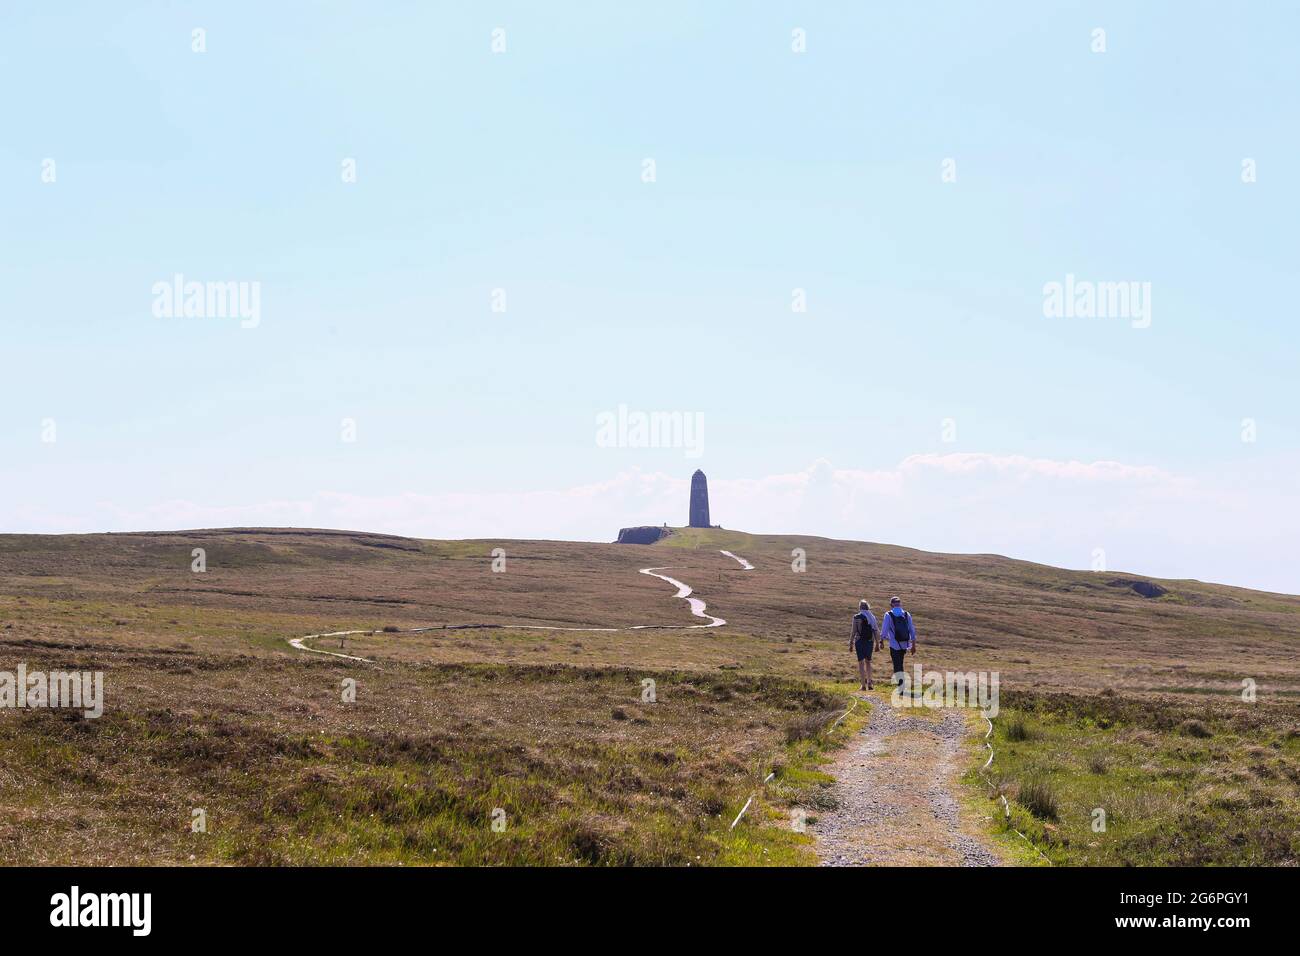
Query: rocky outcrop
x=642, y=534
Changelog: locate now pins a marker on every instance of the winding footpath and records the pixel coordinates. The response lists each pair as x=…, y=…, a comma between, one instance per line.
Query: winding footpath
x=684, y=591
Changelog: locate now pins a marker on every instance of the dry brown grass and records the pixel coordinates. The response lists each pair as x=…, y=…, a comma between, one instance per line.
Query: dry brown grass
x=209, y=707
x=1037, y=626
x=288, y=773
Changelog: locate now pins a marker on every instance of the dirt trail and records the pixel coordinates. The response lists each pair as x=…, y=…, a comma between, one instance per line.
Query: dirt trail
x=893, y=790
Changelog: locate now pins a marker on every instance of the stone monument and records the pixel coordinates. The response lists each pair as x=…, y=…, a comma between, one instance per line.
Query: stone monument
x=699, y=500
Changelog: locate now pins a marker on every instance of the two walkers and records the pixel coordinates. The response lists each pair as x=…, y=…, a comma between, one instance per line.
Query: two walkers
x=897, y=628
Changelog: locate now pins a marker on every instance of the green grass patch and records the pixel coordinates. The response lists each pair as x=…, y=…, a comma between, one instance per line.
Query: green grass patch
x=1114, y=781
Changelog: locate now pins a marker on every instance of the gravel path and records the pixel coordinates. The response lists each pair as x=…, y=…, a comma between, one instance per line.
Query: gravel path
x=894, y=802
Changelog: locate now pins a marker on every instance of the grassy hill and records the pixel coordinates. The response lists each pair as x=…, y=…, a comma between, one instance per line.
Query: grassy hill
x=209, y=708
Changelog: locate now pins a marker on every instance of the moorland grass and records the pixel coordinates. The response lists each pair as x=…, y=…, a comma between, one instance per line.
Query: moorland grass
x=417, y=770
x=209, y=708
x=1107, y=780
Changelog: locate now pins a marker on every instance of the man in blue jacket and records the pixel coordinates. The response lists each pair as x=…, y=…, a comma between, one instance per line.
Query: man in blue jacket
x=900, y=632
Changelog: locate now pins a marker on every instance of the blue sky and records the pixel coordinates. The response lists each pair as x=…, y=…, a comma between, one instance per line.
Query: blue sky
x=775, y=170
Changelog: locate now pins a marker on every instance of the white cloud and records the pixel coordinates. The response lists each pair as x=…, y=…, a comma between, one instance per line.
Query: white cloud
x=1019, y=465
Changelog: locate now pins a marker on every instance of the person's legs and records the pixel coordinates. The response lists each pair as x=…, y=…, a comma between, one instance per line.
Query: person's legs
x=862, y=671
x=897, y=655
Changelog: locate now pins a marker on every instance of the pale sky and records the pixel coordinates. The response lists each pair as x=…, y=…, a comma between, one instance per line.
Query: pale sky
x=920, y=171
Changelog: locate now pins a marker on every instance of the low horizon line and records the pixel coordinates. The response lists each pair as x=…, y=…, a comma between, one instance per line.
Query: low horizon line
x=234, y=529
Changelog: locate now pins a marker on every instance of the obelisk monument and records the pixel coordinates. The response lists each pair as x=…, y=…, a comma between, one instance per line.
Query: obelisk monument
x=699, y=500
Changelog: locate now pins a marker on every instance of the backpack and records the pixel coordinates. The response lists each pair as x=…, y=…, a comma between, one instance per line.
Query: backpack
x=902, y=630
x=865, y=631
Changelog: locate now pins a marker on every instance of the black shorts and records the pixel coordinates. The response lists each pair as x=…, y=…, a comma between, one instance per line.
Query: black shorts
x=864, y=647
